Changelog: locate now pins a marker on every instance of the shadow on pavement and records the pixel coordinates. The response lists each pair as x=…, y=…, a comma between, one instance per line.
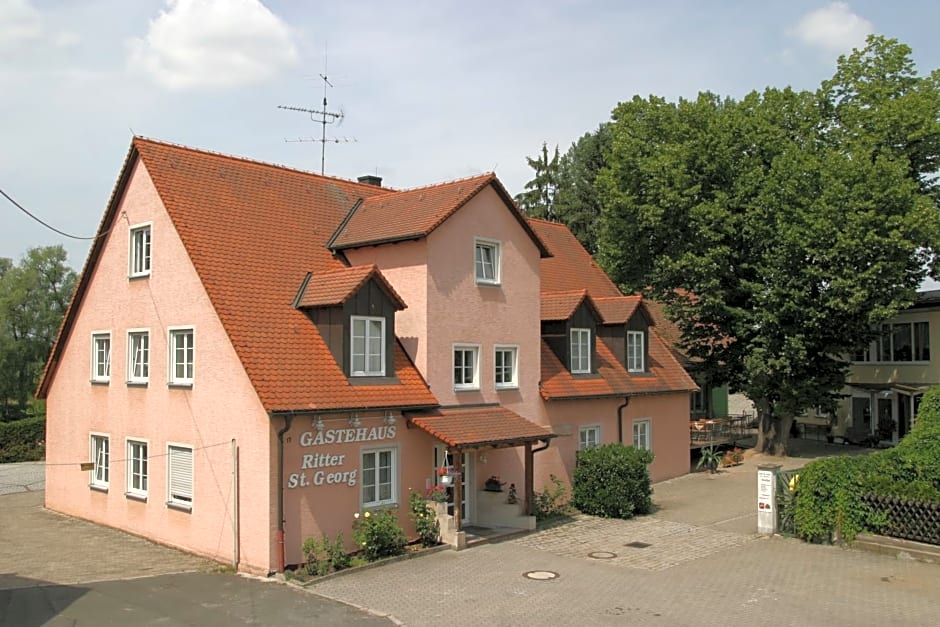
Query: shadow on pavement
x=28, y=602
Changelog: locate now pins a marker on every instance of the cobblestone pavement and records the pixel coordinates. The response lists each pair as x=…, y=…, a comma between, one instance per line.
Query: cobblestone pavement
x=22, y=477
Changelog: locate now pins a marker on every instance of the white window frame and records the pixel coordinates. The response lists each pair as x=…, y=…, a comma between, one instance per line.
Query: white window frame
x=479, y=264
x=132, y=377
x=584, y=434
x=513, y=382
x=636, y=351
x=179, y=496
x=140, y=267
x=473, y=349
x=172, y=334
x=393, y=483
x=646, y=437
x=139, y=491
x=881, y=349
x=96, y=375
x=99, y=476
x=584, y=361
x=366, y=355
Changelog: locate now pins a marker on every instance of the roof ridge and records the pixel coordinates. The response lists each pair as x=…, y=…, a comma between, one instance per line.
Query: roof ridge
x=483, y=175
x=266, y=164
x=546, y=221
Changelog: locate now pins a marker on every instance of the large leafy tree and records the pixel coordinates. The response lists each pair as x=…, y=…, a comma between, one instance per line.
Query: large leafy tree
x=781, y=228
x=577, y=202
x=33, y=297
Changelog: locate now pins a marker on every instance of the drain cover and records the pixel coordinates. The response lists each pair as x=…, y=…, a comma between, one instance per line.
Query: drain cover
x=540, y=575
x=637, y=545
x=602, y=555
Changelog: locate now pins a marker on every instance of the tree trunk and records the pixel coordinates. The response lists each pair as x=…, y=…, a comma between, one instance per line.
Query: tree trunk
x=773, y=431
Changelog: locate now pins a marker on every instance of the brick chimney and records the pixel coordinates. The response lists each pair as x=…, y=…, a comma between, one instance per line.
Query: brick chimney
x=371, y=179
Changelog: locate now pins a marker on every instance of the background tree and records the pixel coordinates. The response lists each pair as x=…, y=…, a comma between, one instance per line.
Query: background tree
x=33, y=297
x=577, y=203
x=779, y=230
x=538, y=199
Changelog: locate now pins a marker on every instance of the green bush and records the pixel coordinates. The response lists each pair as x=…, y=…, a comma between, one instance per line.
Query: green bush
x=23, y=440
x=322, y=556
x=429, y=531
x=613, y=481
x=552, y=501
x=378, y=534
x=828, y=503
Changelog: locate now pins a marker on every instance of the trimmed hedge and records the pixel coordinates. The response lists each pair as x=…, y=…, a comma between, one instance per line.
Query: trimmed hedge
x=612, y=481
x=828, y=503
x=22, y=440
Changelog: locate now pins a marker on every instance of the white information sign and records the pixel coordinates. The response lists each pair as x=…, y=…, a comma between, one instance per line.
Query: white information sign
x=765, y=490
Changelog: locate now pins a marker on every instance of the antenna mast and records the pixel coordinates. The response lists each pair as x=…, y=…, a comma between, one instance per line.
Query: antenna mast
x=325, y=117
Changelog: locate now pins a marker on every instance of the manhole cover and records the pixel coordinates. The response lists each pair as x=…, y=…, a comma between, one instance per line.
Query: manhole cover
x=637, y=545
x=541, y=575
x=602, y=555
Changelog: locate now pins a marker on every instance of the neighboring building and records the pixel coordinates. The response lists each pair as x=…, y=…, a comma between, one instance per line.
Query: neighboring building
x=888, y=380
x=255, y=353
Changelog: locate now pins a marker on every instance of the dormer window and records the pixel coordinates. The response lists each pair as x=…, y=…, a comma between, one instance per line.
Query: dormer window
x=636, y=351
x=368, y=346
x=580, y=351
x=486, y=262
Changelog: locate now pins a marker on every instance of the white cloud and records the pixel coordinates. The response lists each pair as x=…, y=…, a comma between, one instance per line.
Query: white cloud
x=834, y=28
x=19, y=22
x=213, y=43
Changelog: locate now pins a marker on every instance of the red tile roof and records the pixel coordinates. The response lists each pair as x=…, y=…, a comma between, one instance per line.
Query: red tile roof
x=253, y=231
x=612, y=379
x=335, y=287
x=414, y=213
x=479, y=426
x=570, y=267
x=618, y=309
x=560, y=305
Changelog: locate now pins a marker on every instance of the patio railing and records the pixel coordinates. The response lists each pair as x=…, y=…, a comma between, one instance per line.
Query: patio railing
x=714, y=431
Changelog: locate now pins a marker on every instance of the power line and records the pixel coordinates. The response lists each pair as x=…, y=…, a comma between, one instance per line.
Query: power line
x=45, y=224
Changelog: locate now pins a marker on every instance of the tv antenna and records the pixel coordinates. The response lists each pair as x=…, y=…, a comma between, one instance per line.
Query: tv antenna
x=325, y=117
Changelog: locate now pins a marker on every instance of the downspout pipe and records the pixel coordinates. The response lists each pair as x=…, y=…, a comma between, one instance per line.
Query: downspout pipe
x=626, y=401
x=281, y=558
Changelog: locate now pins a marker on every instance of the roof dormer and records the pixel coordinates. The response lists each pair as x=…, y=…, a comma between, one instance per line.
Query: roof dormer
x=626, y=331
x=570, y=323
x=354, y=311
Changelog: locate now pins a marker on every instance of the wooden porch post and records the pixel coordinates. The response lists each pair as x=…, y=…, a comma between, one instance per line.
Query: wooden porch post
x=529, y=481
x=458, y=492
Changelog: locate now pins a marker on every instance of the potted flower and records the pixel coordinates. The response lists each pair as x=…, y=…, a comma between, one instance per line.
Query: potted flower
x=493, y=484
x=436, y=494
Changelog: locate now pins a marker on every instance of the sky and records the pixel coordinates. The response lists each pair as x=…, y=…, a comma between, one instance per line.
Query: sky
x=429, y=91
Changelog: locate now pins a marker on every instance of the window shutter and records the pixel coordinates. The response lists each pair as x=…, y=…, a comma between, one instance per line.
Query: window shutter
x=181, y=474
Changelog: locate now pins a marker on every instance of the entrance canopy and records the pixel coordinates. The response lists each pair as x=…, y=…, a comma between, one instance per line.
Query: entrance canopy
x=480, y=426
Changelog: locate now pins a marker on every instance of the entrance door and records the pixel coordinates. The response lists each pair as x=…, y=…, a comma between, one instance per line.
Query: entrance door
x=884, y=410
x=443, y=458
x=904, y=414
x=861, y=414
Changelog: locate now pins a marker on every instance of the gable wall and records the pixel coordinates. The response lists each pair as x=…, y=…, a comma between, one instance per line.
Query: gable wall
x=220, y=406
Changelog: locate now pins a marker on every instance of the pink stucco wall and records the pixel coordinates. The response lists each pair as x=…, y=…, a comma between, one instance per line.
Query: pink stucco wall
x=669, y=420
x=220, y=406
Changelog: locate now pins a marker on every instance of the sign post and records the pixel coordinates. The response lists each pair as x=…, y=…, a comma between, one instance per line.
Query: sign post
x=767, y=498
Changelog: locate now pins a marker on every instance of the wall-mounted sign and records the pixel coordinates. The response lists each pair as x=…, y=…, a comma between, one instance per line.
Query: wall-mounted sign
x=765, y=490
x=326, y=468
x=345, y=436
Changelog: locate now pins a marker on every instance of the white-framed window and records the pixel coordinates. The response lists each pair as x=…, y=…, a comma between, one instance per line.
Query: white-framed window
x=580, y=351
x=506, y=366
x=100, y=475
x=898, y=342
x=486, y=261
x=139, y=254
x=137, y=468
x=642, y=431
x=697, y=403
x=182, y=355
x=635, y=351
x=379, y=477
x=589, y=437
x=367, y=347
x=179, y=475
x=466, y=367
x=138, y=356
x=101, y=356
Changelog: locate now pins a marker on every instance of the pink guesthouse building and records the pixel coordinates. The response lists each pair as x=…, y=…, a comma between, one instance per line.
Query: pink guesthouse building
x=255, y=353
